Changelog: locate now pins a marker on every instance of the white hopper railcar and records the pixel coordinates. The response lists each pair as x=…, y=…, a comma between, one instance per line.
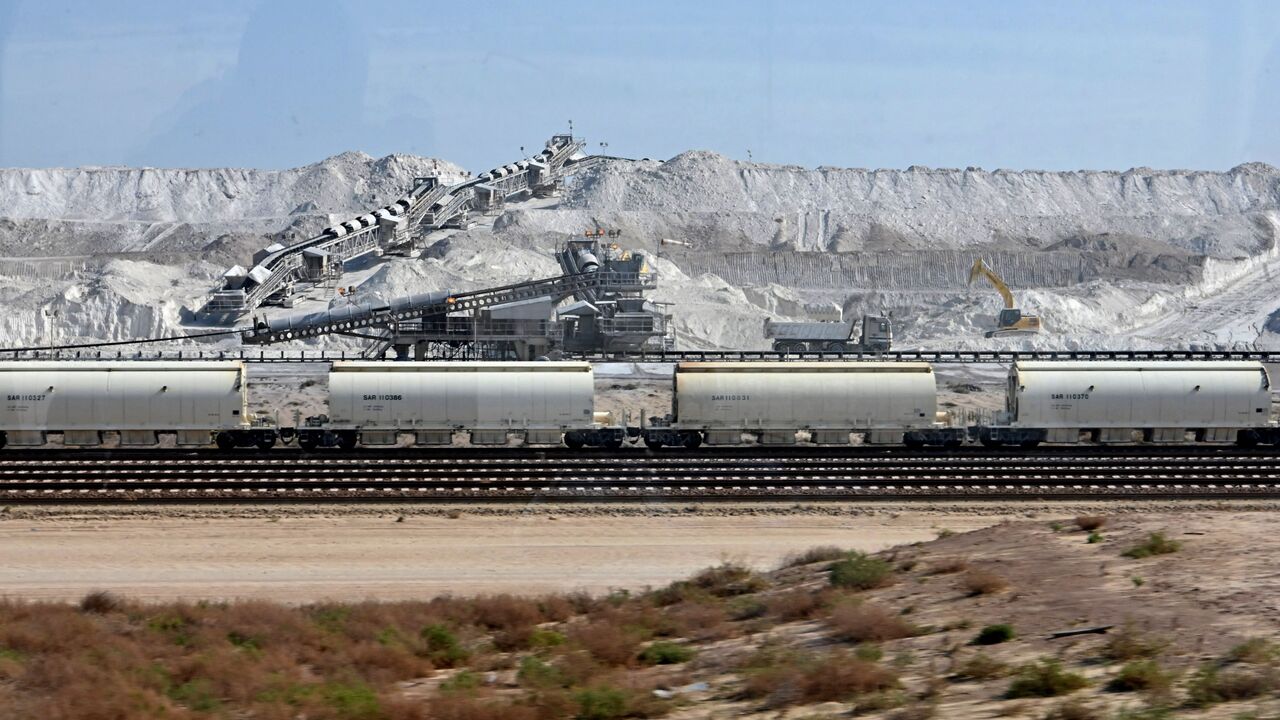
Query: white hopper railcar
x=198, y=401
x=1128, y=401
x=719, y=402
x=374, y=403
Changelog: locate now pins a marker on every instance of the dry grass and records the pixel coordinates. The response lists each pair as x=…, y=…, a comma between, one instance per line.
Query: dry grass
x=1212, y=684
x=1074, y=709
x=822, y=553
x=868, y=623
x=948, y=565
x=978, y=581
x=1142, y=676
x=1045, y=678
x=980, y=667
x=798, y=604
x=1130, y=643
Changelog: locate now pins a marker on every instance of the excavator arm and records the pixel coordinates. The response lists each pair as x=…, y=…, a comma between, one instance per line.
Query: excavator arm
x=981, y=269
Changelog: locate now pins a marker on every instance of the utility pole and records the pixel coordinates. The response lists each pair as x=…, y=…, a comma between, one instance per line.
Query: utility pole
x=54, y=314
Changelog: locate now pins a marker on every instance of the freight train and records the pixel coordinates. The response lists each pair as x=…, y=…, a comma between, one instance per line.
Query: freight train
x=717, y=403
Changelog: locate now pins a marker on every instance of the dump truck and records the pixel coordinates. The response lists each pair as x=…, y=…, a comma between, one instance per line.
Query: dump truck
x=830, y=336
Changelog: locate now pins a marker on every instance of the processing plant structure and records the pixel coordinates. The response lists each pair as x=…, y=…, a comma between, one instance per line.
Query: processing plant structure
x=606, y=311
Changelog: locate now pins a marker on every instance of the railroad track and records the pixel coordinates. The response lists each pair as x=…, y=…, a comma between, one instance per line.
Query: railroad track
x=526, y=475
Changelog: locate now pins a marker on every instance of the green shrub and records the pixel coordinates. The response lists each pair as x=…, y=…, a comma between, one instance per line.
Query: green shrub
x=1155, y=544
x=442, y=646
x=1141, y=676
x=666, y=653
x=601, y=703
x=536, y=674
x=463, y=681
x=197, y=695
x=994, y=634
x=543, y=638
x=1045, y=678
x=1094, y=537
x=352, y=701
x=868, y=652
x=860, y=571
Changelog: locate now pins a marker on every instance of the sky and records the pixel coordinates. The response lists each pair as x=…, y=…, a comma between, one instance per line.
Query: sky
x=282, y=83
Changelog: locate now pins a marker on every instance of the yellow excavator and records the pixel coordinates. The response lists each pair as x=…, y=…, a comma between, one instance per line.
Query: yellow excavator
x=1011, y=320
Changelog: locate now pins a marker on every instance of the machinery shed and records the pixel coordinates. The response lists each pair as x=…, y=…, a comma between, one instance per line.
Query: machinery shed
x=490, y=399
x=84, y=398
x=777, y=398
x=1171, y=396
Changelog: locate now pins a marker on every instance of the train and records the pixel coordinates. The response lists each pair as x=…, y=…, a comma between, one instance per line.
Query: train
x=828, y=403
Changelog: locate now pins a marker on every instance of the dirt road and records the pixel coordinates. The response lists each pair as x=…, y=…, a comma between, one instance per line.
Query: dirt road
x=300, y=555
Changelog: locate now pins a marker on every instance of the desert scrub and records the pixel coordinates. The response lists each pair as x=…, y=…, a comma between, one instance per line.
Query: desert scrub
x=1212, y=684
x=860, y=571
x=1156, y=543
x=822, y=553
x=783, y=678
x=1089, y=523
x=994, y=634
x=980, y=667
x=1255, y=651
x=441, y=646
x=1074, y=709
x=721, y=581
x=1130, y=643
x=978, y=581
x=1142, y=676
x=948, y=565
x=1044, y=678
x=868, y=623
x=664, y=652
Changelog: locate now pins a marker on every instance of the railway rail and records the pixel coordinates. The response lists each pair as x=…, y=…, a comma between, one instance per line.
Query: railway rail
x=531, y=475
x=672, y=356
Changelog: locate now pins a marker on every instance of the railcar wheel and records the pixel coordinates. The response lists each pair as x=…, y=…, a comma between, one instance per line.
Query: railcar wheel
x=613, y=443
x=225, y=441
x=573, y=441
x=953, y=442
x=913, y=441
x=4, y=439
x=653, y=443
x=308, y=443
x=691, y=440
x=988, y=441
x=348, y=440
x=1028, y=444
x=1247, y=438
x=265, y=443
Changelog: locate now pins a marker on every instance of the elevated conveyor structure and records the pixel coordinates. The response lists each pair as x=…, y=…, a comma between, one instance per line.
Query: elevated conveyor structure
x=523, y=320
x=427, y=207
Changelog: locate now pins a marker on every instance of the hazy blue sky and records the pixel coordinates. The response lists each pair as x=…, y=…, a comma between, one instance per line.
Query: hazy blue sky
x=1055, y=85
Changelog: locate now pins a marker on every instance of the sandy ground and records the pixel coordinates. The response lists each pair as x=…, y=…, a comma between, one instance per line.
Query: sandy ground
x=299, y=556
x=307, y=553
